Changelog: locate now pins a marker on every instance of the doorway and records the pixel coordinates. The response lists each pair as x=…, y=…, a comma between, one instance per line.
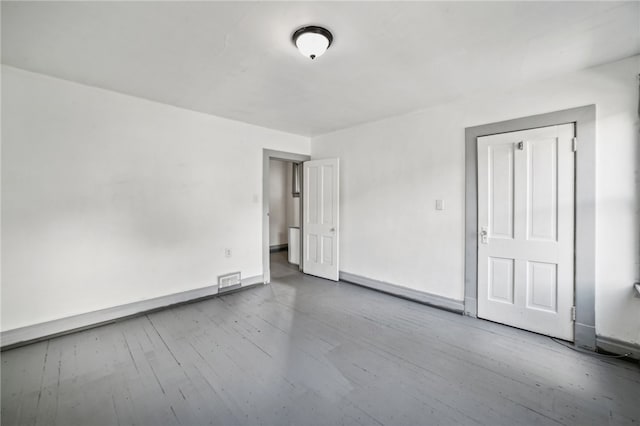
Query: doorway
x=284, y=213
x=583, y=120
x=315, y=242
x=280, y=234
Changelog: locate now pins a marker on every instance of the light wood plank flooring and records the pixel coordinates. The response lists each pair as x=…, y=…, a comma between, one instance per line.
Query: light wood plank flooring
x=306, y=351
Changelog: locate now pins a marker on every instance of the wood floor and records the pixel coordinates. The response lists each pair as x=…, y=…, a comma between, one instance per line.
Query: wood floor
x=305, y=351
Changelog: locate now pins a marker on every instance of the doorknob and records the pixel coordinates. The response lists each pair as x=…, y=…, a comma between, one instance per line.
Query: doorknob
x=332, y=230
x=484, y=233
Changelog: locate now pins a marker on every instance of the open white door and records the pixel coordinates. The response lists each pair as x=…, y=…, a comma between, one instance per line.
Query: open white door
x=525, y=219
x=320, y=215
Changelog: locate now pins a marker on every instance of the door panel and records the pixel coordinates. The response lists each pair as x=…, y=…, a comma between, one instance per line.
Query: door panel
x=327, y=197
x=312, y=249
x=501, y=280
x=501, y=191
x=312, y=197
x=327, y=250
x=320, y=228
x=542, y=189
x=525, y=211
x=542, y=286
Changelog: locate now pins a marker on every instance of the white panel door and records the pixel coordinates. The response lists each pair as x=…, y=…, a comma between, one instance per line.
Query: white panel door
x=526, y=229
x=320, y=227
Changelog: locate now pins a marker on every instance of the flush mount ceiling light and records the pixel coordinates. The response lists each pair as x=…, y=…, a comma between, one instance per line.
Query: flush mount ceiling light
x=312, y=41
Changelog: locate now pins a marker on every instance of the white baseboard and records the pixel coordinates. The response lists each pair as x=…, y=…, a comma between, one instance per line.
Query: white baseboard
x=258, y=279
x=404, y=292
x=23, y=335
x=618, y=347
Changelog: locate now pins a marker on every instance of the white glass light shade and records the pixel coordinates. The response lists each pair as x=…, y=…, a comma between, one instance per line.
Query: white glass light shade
x=312, y=45
x=312, y=41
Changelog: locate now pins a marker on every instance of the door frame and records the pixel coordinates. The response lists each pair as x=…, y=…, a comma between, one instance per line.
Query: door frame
x=267, y=155
x=584, y=119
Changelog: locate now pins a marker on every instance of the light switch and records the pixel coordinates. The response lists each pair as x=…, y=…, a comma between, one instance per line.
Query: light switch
x=439, y=204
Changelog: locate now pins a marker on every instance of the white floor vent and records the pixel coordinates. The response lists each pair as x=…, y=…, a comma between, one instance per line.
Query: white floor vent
x=229, y=280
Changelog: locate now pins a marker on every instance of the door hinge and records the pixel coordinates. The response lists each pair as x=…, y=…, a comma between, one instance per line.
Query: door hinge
x=520, y=145
x=574, y=144
x=573, y=313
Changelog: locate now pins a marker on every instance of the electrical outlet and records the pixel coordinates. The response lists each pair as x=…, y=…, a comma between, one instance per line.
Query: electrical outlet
x=439, y=204
x=227, y=252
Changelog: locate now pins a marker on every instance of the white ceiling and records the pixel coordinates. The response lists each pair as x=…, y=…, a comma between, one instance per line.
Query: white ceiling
x=236, y=59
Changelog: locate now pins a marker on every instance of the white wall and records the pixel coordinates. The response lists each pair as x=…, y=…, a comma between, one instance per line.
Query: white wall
x=279, y=193
x=109, y=199
x=392, y=171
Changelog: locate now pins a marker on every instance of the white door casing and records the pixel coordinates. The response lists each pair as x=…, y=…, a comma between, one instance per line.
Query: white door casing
x=320, y=215
x=526, y=229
